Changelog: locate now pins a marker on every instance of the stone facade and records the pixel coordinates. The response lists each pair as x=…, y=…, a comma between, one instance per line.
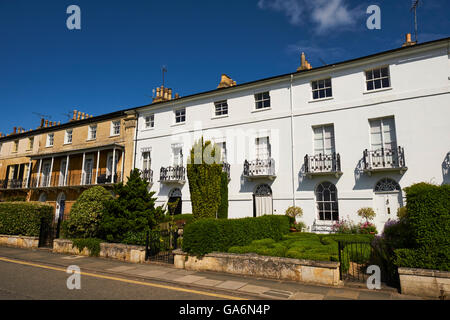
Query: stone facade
x=19, y=241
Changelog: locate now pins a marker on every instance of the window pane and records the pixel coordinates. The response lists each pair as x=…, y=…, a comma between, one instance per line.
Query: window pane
x=328, y=83
x=385, y=82
x=369, y=75
x=316, y=95
x=369, y=85
x=321, y=84
x=376, y=73
x=266, y=95
x=328, y=92
x=266, y=103
x=314, y=85
x=385, y=72
x=377, y=84
x=322, y=93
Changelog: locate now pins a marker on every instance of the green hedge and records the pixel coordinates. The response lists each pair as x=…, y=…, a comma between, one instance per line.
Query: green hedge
x=428, y=218
x=209, y=235
x=23, y=218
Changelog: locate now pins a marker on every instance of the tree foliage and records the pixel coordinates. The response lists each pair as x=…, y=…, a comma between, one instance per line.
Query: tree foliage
x=133, y=210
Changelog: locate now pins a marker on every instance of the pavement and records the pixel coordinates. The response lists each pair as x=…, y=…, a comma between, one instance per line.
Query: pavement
x=219, y=285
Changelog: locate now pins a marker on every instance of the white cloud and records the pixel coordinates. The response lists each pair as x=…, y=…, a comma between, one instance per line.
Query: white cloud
x=325, y=14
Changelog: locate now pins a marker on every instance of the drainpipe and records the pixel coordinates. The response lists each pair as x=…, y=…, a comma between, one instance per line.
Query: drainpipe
x=292, y=144
x=135, y=139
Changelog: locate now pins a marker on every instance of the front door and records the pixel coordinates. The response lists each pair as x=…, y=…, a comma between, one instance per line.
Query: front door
x=262, y=201
x=46, y=175
x=62, y=172
x=386, y=205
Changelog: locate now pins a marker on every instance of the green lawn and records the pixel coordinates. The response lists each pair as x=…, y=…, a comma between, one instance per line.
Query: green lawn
x=309, y=246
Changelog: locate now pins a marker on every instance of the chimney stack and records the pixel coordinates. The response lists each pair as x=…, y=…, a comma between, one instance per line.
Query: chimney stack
x=304, y=64
x=46, y=123
x=14, y=130
x=225, y=82
x=42, y=123
x=163, y=94
x=408, y=41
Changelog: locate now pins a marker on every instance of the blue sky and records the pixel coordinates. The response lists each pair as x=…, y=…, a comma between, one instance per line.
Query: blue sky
x=115, y=60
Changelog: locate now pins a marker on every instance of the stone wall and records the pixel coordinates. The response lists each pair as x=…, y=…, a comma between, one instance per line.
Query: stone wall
x=317, y=272
x=19, y=241
x=134, y=254
x=424, y=283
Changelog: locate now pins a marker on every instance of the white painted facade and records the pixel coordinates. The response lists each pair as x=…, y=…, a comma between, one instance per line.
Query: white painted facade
x=417, y=104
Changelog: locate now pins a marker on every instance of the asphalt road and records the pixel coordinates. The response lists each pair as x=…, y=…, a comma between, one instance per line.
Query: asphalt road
x=27, y=282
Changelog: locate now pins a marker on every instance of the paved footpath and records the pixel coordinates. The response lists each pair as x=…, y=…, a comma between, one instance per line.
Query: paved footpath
x=222, y=283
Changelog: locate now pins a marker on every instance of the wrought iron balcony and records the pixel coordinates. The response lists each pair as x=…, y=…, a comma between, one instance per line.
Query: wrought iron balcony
x=323, y=164
x=260, y=168
x=226, y=168
x=384, y=160
x=173, y=174
x=147, y=175
x=13, y=184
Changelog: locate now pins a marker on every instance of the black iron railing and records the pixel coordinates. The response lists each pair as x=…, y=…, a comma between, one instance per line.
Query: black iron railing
x=226, y=168
x=384, y=158
x=322, y=163
x=259, y=167
x=13, y=184
x=177, y=173
x=147, y=175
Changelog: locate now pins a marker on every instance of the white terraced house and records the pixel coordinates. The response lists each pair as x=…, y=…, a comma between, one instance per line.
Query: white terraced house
x=331, y=139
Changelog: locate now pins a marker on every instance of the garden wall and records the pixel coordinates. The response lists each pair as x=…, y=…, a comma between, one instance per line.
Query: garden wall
x=134, y=254
x=424, y=282
x=317, y=272
x=19, y=241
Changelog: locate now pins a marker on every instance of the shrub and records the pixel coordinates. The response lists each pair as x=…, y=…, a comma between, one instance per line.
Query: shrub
x=222, y=212
x=345, y=227
x=24, y=218
x=367, y=227
x=401, y=213
x=300, y=226
x=366, y=213
x=132, y=211
x=292, y=213
x=85, y=214
x=205, y=179
x=92, y=244
x=209, y=235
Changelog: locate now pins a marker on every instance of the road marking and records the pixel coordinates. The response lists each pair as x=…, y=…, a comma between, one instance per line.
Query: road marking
x=124, y=280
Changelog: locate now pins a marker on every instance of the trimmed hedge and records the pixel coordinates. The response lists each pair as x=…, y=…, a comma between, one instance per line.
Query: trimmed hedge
x=428, y=219
x=23, y=218
x=209, y=235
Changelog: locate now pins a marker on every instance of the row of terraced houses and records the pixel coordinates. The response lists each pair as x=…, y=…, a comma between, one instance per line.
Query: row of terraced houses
x=329, y=139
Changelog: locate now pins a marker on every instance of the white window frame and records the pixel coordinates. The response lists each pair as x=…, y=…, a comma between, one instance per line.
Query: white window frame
x=380, y=78
x=262, y=100
x=67, y=135
x=258, y=150
x=146, y=162
x=323, y=139
x=221, y=108
x=383, y=139
x=50, y=139
x=182, y=117
x=115, y=125
x=181, y=160
x=149, y=121
x=92, y=132
x=324, y=89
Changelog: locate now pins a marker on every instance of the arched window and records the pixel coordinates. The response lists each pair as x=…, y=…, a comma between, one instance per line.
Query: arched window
x=326, y=201
x=175, y=192
x=387, y=185
x=43, y=197
x=263, y=190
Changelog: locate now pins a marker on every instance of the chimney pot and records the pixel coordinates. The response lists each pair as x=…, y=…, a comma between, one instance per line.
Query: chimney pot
x=14, y=130
x=42, y=123
x=46, y=123
x=78, y=115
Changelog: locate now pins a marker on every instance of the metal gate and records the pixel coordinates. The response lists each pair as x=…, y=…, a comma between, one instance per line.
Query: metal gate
x=46, y=234
x=354, y=258
x=159, y=246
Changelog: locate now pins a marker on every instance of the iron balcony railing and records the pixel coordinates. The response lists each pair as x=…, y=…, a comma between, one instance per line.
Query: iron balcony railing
x=147, y=175
x=259, y=167
x=323, y=163
x=168, y=174
x=226, y=168
x=384, y=159
x=13, y=184
x=72, y=180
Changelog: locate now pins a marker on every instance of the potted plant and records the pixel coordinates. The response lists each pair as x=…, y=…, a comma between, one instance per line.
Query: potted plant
x=292, y=213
